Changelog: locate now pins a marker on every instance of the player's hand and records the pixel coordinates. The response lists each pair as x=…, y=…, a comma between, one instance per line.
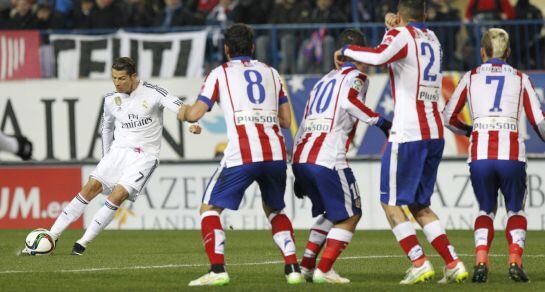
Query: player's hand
x=298, y=190
x=25, y=148
x=384, y=126
x=391, y=20
x=181, y=112
x=337, y=58
x=195, y=129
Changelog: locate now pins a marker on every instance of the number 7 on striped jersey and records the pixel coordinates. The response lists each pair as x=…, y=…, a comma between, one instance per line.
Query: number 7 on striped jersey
x=499, y=89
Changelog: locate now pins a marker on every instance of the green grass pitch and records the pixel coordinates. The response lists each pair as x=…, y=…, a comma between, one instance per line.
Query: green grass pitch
x=168, y=260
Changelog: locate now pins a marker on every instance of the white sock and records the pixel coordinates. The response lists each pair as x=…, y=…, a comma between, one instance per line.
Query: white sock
x=71, y=213
x=8, y=143
x=318, y=234
x=102, y=219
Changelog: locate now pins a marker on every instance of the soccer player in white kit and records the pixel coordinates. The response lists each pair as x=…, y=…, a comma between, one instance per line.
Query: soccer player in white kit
x=251, y=96
x=415, y=148
x=18, y=145
x=497, y=94
x=322, y=173
x=132, y=127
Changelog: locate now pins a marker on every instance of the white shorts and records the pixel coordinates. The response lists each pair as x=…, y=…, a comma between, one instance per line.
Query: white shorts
x=126, y=167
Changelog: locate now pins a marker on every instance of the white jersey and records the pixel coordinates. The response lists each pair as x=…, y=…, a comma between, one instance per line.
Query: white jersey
x=497, y=94
x=335, y=105
x=414, y=57
x=136, y=120
x=249, y=93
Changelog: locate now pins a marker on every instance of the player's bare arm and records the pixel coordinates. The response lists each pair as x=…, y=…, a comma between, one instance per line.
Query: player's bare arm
x=192, y=113
x=284, y=116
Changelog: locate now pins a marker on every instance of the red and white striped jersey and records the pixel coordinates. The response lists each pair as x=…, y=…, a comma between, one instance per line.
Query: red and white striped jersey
x=497, y=93
x=414, y=56
x=335, y=105
x=249, y=93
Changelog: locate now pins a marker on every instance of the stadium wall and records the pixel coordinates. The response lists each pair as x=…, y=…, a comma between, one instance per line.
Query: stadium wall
x=63, y=117
x=33, y=196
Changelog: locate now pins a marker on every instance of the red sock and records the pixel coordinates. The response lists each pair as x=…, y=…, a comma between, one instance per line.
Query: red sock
x=515, y=231
x=484, y=234
x=435, y=233
x=213, y=237
x=337, y=240
x=313, y=248
x=283, y=237
x=406, y=236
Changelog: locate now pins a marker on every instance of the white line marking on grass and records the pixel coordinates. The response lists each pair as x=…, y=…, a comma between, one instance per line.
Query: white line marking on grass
x=368, y=257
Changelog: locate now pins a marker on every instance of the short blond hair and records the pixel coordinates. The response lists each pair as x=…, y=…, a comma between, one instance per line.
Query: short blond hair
x=495, y=43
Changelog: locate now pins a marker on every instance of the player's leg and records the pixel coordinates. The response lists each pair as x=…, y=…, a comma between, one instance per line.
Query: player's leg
x=454, y=270
x=75, y=208
x=272, y=184
x=130, y=170
x=101, y=180
x=340, y=197
x=305, y=180
x=513, y=186
x=316, y=240
x=401, y=169
x=224, y=190
x=102, y=218
x=485, y=184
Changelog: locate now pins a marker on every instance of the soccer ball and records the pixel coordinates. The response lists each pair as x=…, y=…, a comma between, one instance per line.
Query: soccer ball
x=39, y=242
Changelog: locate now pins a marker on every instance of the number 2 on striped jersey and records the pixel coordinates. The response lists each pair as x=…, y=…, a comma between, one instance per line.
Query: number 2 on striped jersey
x=499, y=90
x=427, y=75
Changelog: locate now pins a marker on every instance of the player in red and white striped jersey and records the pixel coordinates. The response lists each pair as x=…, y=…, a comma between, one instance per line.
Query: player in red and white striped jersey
x=497, y=95
x=335, y=105
x=255, y=107
x=415, y=148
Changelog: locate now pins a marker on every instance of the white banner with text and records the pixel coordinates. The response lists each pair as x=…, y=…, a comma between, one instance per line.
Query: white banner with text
x=172, y=198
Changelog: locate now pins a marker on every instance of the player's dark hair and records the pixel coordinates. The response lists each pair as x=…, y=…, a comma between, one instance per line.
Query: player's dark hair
x=124, y=64
x=412, y=9
x=351, y=36
x=239, y=38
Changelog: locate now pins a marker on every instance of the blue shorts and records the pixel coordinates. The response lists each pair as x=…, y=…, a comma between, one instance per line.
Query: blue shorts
x=227, y=185
x=334, y=192
x=409, y=172
x=489, y=176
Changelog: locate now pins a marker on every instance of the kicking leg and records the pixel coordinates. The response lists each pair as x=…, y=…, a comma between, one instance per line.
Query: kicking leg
x=75, y=208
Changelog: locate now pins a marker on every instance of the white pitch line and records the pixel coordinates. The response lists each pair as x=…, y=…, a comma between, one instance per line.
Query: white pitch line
x=235, y=264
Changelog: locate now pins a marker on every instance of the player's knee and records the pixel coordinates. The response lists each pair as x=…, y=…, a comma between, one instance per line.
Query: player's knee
x=206, y=207
x=490, y=214
x=354, y=220
x=119, y=195
x=349, y=224
x=420, y=211
x=511, y=213
x=92, y=188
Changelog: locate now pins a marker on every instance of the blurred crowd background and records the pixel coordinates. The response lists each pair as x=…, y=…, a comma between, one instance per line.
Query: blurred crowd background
x=282, y=36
